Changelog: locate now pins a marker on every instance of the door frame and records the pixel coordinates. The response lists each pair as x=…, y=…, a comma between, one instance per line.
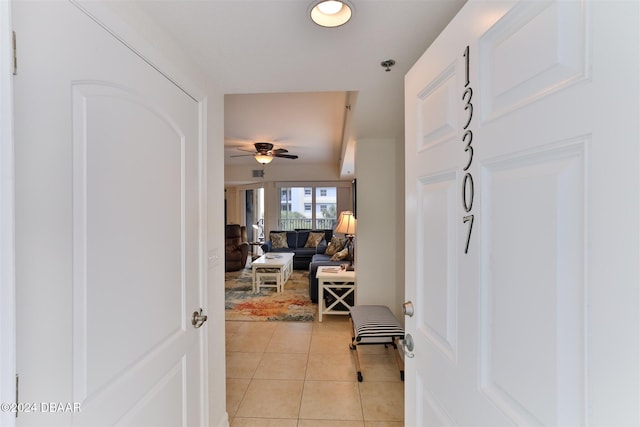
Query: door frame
x=132, y=39
x=7, y=247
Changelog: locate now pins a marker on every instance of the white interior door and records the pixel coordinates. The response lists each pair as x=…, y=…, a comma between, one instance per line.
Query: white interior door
x=107, y=230
x=522, y=121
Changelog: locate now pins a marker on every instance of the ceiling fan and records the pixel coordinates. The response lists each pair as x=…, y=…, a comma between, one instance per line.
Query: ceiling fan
x=265, y=153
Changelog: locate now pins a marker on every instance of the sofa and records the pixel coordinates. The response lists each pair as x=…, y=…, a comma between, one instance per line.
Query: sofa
x=236, y=247
x=296, y=241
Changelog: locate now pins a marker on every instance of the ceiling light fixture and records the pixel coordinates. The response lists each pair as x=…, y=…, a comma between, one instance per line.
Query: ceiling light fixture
x=263, y=159
x=331, y=13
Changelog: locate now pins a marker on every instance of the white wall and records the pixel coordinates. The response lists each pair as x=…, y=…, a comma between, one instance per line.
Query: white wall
x=379, y=245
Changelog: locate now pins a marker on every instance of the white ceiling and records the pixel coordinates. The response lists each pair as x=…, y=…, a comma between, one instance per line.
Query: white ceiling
x=288, y=81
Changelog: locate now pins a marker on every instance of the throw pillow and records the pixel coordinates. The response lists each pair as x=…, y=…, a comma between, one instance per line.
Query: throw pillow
x=336, y=245
x=278, y=240
x=339, y=256
x=314, y=240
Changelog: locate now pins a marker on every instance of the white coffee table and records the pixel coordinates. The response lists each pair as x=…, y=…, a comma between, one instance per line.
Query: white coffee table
x=272, y=270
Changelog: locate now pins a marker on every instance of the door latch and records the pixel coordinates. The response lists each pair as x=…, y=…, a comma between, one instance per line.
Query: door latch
x=407, y=346
x=198, y=319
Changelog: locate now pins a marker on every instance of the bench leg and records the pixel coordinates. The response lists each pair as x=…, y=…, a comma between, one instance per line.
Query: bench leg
x=398, y=358
x=354, y=346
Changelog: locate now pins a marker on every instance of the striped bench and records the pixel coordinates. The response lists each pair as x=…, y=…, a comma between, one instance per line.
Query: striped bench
x=375, y=324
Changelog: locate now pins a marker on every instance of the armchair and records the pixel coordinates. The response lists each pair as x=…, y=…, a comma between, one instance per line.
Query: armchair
x=236, y=247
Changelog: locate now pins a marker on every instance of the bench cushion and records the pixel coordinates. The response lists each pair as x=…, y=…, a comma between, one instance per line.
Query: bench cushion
x=374, y=321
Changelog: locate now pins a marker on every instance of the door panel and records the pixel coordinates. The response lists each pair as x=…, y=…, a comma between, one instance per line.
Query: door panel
x=438, y=320
x=107, y=231
x=535, y=49
x=533, y=292
x=437, y=110
x=540, y=154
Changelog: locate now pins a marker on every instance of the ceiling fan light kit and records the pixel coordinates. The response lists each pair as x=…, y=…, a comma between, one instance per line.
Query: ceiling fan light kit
x=331, y=13
x=263, y=159
x=265, y=153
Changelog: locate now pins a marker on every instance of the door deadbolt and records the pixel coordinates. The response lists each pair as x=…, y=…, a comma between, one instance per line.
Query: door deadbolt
x=407, y=309
x=198, y=319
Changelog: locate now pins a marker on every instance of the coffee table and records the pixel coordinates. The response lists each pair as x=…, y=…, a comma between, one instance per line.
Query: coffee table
x=272, y=270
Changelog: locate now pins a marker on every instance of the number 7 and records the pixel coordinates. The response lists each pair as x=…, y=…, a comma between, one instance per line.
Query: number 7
x=468, y=219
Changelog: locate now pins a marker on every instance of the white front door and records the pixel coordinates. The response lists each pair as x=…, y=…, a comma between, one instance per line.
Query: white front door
x=522, y=217
x=107, y=230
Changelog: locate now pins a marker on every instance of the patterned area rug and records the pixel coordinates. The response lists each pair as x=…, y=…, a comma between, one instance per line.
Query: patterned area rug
x=291, y=304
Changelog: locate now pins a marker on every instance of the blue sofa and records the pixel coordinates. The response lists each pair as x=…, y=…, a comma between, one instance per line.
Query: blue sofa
x=318, y=260
x=296, y=241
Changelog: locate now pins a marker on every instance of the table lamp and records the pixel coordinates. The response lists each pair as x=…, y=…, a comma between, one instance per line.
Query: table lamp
x=347, y=226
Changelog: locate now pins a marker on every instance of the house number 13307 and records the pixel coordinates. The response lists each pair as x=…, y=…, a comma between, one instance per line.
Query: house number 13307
x=467, y=138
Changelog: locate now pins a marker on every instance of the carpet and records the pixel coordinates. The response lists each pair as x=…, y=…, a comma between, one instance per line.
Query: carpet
x=292, y=304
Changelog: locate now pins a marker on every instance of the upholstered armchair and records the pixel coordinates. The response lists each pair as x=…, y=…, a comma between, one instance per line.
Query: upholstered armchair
x=236, y=247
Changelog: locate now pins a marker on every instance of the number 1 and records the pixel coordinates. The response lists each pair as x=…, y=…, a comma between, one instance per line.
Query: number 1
x=466, y=66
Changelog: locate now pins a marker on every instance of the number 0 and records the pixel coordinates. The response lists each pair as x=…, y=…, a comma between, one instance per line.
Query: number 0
x=467, y=192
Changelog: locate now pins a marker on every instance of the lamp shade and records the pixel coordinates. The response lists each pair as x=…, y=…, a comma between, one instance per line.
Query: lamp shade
x=346, y=223
x=263, y=158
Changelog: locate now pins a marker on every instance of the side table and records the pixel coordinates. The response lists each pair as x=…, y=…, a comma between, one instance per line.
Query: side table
x=339, y=284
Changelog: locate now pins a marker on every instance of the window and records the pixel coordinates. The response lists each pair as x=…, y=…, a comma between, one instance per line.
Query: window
x=302, y=207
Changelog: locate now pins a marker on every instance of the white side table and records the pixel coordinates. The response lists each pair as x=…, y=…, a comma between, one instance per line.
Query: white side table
x=331, y=282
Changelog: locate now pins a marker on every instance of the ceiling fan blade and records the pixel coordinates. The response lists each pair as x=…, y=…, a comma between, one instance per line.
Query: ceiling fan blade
x=242, y=155
x=286, y=156
x=279, y=151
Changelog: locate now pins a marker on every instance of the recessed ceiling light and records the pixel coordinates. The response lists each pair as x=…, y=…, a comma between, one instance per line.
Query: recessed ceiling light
x=330, y=7
x=331, y=13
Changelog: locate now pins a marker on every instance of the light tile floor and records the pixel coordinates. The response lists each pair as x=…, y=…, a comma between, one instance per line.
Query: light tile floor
x=302, y=374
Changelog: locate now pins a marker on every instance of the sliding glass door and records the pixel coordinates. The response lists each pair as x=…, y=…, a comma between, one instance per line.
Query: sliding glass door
x=308, y=207
x=254, y=214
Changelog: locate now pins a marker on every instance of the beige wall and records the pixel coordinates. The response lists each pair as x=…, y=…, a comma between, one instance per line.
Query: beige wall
x=281, y=170
x=234, y=196
x=378, y=243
